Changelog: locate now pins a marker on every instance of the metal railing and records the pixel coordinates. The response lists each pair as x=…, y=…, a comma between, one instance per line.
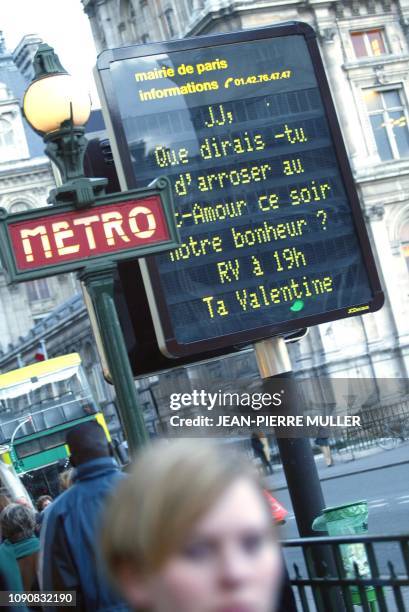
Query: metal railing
x=380, y=583
x=381, y=426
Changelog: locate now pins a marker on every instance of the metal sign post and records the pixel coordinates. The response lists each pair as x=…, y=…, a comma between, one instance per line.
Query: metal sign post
x=296, y=454
x=100, y=286
x=300, y=470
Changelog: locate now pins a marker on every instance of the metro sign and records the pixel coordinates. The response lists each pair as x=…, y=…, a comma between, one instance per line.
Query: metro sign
x=63, y=239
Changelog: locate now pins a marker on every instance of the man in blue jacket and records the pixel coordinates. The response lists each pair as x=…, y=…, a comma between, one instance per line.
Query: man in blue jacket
x=70, y=559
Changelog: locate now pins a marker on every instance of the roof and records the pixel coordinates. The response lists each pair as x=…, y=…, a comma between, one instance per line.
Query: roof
x=95, y=122
x=43, y=369
x=60, y=313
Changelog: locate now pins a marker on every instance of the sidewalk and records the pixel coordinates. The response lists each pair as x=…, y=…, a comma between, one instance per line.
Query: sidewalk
x=364, y=461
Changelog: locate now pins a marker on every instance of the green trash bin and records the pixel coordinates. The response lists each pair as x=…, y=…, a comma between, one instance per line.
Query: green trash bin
x=349, y=519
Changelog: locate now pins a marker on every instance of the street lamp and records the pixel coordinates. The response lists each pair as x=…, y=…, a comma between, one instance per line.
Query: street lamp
x=57, y=108
x=54, y=95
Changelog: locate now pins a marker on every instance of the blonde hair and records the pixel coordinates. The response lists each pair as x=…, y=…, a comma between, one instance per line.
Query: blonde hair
x=65, y=479
x=171, y=485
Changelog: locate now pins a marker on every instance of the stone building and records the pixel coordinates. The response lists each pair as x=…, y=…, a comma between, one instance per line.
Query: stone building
x=24, y=53
x=365, y=50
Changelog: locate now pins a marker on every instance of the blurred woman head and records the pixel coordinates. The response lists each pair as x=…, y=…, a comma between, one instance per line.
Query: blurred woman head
x=190, y=531
x=17, y=522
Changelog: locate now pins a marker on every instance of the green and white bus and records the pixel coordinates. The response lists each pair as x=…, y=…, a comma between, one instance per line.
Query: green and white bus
x=39, y=403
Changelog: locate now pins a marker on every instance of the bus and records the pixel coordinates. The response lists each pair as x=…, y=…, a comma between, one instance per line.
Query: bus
x=39, y=404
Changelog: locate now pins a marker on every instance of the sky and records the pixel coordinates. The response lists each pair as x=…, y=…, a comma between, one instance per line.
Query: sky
x=60, y=23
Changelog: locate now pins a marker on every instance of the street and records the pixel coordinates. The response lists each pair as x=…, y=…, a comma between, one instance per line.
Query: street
x=384, y=488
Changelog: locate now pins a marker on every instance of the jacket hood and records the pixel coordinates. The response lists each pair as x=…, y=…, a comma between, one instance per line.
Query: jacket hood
x=95, y=469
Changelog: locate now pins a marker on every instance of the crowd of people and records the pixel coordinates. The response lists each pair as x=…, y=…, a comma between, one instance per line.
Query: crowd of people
x=187, y=528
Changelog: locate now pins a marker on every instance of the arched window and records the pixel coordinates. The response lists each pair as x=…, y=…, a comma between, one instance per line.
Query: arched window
x=170, y=21
x=19, y=207
x=6, y=133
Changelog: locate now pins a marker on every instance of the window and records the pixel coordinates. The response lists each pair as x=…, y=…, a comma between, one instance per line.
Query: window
x=126, y=10
x=19, y=207
x=389, y=122
x=97, y=383
x=369, y=43
x=38, y=290
x=169, y=21
x=143, y=5
x=6, y=133
x=126, y=25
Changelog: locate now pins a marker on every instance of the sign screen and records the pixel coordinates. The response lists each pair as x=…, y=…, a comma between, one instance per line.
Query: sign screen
x=271, y=233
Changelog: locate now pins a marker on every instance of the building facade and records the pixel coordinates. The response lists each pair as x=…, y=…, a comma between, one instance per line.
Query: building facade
x=365, y=50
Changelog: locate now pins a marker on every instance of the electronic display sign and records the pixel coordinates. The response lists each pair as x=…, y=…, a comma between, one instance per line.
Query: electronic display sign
x=272, y=235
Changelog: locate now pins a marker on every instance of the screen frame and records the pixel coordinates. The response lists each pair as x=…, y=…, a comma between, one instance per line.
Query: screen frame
x=168, y=344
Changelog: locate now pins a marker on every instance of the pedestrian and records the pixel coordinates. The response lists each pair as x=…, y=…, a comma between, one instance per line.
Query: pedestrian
x=323, y=443
x=69, y=546
x=42, y=503
x=10, y=577
x=190, y=530
x=261, y=450
x=17, y=523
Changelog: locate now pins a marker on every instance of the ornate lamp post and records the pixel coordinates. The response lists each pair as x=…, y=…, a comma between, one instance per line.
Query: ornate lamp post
x=57, y=108
x=80, y=231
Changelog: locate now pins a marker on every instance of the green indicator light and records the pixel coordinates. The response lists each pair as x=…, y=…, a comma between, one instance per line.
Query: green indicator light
x=297, y=306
